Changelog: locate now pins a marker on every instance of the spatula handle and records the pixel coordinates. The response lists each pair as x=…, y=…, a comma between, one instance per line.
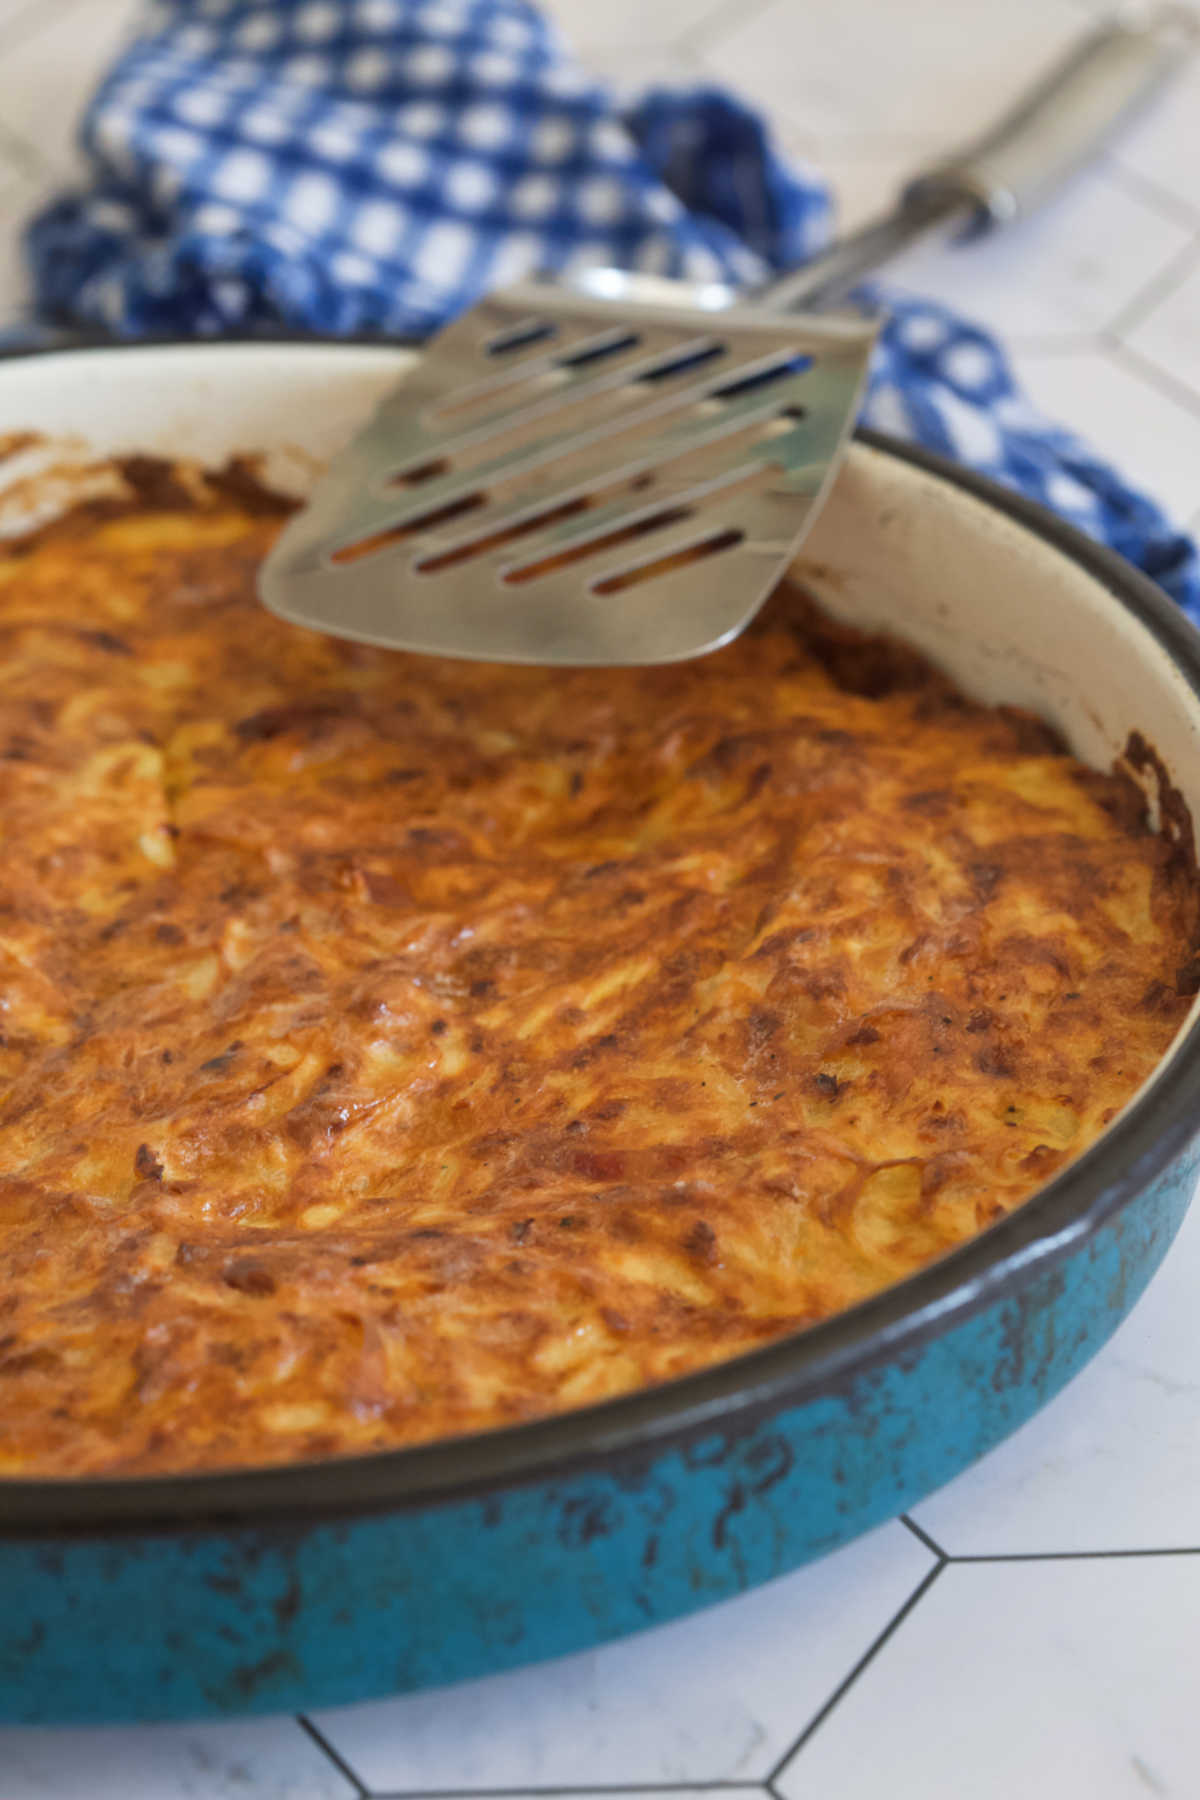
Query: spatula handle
x=1045, y=138
x=1062, y=123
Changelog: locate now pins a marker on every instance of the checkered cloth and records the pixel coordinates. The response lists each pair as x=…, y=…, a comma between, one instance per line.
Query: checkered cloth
x=374, y=166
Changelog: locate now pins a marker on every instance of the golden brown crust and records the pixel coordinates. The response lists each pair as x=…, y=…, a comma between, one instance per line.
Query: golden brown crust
x=396, y=1048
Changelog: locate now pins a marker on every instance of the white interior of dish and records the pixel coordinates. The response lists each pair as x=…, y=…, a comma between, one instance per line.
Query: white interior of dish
x=1009, y=617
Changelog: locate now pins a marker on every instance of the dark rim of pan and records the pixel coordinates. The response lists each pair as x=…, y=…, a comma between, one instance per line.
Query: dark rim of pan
x=734, y=1396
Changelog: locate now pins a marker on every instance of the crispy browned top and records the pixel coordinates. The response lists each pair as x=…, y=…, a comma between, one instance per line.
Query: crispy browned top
x=393, y=1048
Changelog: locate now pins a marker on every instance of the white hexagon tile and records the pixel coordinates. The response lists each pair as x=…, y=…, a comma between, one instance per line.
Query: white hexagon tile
x=1160, y=144
x=706, y=1699
x=1035, y=1630
x=1070, y=1678
x=1066, y=272
x=237, y=1760
x=929, y=71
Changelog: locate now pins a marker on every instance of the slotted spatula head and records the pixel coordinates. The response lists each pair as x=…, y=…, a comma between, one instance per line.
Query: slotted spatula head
x=569, y=479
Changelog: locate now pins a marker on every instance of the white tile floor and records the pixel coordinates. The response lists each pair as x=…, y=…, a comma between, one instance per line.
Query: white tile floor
x=1040, y=1679
x=1057, y=1652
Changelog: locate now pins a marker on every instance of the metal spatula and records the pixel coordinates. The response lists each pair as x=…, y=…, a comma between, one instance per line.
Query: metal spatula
x=619, y=470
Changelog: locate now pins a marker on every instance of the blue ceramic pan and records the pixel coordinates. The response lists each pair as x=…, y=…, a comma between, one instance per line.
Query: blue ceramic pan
x=307, y=1586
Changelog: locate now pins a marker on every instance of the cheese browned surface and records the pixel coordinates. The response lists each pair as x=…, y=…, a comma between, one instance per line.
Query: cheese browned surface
x=395, y=1048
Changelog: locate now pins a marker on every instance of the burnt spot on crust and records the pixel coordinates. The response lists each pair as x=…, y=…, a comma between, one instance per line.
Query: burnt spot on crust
x=1119, y=795
x=985, y=876
x=1174, y=814
x=761, y=1027
x=700, y=1241
x=934, y=802
x=107, y=640
x=871, y=665
x=1187, y=976
x=146, y=1164
x=1029, y=735
x=250, y=1278
x=303, y=719
x=240, y=481
x=155, y=484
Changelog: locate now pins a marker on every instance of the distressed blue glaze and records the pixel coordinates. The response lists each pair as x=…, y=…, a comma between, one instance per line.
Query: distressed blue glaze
x=192, y=1622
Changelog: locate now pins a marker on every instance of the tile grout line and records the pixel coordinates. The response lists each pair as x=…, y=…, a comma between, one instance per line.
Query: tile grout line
x=703, y=35
x=860, y=1666
x=1168, y=280
x=24, y=158
x=1032, y=1556
x=1145, y=188
x=923, y=1537
x=571, y=1793
x=334, y=1756
x=1172, y=387
x=1045, y=349
x=29, y=20
x=24, y=26
x=684, y=62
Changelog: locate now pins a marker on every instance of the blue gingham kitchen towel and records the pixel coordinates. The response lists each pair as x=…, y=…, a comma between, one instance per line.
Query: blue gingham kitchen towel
x=375, y=165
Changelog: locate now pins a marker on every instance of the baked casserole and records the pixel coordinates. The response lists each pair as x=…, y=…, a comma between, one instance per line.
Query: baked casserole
x=395, y=1048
